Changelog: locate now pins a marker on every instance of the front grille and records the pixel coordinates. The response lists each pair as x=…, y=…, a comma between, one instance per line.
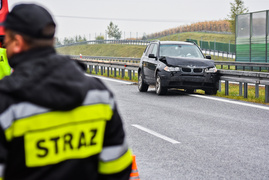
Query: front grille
x=197, y=70
x=186, y=69
x=192, y=70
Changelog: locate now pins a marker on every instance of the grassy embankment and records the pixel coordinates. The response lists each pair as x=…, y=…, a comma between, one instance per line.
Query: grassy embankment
x=117, y=50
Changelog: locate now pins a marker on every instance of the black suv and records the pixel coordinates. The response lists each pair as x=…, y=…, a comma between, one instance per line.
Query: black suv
x=176, y=64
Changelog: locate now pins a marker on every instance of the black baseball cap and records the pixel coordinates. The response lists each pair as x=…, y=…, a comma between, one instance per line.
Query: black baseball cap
x=30, y=20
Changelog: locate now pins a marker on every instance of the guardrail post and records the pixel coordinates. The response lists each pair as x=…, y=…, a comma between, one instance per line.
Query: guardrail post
x=219, y=85
x=266, y=94
x=256, y=90
x=102, y=70
x=226, y=88
x=130, y=74
x=240, y=88
x=107, y=71
x=90, y=68
x=245, y=90
x=119, y=71
x=96, y=69
x=133, y=73
x=122, y=73
x=115, y=72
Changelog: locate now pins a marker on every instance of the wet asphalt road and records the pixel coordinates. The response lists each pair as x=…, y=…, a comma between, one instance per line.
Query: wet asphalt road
x=181, y=136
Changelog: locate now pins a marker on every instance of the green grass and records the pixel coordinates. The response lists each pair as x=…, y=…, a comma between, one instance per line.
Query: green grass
x=234, y=93
x=111, y=50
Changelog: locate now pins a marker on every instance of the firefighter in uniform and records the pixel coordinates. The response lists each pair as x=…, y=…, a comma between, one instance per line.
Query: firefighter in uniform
x=55, y=122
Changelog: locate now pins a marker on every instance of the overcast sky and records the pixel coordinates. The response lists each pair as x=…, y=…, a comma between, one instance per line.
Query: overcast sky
x=90, y=18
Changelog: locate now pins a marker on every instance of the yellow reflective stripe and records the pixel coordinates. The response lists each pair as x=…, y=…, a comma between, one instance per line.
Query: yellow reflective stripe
x=4, y=66
x=1, y=178
x=72, y=141
x=58, y=118
x=116, y=166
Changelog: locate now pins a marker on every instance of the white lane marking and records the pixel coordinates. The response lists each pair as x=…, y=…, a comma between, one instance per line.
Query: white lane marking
x=156, y=134
x=229, y=101
x=110, y=79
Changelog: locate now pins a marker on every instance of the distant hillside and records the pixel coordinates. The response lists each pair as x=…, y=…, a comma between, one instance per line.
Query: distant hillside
x=136, y=51
x=220, y=26
x=222, y=38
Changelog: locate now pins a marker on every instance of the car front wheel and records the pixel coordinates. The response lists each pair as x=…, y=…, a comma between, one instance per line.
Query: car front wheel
x=142, y=87
x=160, y=90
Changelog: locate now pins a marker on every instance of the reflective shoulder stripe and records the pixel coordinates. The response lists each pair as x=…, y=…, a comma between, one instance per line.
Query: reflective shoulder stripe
x=25, y=109
x=19, y=111
x=116, y=165
x=19, y=118
x=113, y=152
x=97, y=97
x=58, y=118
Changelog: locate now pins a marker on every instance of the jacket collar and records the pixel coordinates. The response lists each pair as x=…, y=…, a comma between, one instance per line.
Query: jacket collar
x=30, y=55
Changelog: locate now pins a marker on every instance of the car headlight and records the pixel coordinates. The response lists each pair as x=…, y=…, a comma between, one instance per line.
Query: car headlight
x=172, y=69
x=211, y=70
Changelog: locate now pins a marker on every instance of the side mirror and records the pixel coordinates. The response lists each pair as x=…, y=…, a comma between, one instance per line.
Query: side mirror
x=208, y=57
x=152, y=56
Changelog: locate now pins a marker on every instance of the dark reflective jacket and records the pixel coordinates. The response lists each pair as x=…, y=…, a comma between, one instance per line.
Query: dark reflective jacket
x=57, y=123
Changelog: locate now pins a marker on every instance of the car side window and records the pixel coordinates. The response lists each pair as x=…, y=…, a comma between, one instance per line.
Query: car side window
x=149, y=50
x=154, y=50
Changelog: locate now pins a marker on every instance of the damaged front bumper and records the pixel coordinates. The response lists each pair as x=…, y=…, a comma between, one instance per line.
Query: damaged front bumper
x=189, y=81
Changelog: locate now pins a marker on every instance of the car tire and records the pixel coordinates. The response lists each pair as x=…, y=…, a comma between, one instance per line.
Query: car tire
x=211, y=91
x=142, y=87
x=160, y=90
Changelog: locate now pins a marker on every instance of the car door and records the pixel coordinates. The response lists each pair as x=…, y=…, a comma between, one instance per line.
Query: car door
x=145, y=64
x=152, y=63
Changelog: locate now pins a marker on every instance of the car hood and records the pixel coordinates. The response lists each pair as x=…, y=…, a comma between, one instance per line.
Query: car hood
x=176, y=61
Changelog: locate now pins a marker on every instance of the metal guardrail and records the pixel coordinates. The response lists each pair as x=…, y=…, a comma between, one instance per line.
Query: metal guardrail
x=242, y=65
x=130, y=42
x=106, y=58
x=105, y=66
x=237, y=65
x=244, y=78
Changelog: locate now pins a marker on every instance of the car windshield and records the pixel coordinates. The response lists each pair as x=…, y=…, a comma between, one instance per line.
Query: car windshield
x=180, y=50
